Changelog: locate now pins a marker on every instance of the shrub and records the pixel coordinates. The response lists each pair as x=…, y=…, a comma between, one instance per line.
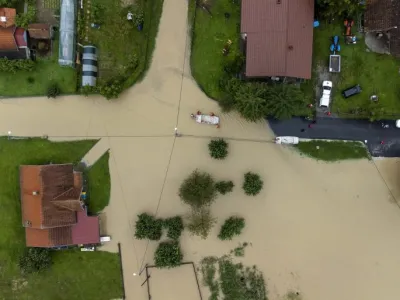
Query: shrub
x=111, y=89
x=201, y=223
x=198, y=189
x=174, y=226
x=97, y=13
x=12, y=66
x=23, y=20
x=218, y=148
x=252, y=184
x=168, y=255
x=87, y=90
x=148, y=227
x=30, y=80
x=138, y=17
x=53, y=90
x=35, y=260
x=231, y=227
x=224, y=187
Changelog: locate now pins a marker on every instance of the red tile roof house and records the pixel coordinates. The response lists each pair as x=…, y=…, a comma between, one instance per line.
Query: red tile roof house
x=52, y=213
x=13, y=40
x=279, y=37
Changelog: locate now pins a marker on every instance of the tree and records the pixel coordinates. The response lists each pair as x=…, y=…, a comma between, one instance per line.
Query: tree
x=53, y=90
x=198, y=189
x=87, y=90
x=283, y=101
x=148, y=227
x=231, y=227
x=252, y=184
x=201, y=222
x=224, y=187
x=330, y=9
x=218, y=148
x=35, y=260
x=174, y=226
x=251, y=102
x=168, y=255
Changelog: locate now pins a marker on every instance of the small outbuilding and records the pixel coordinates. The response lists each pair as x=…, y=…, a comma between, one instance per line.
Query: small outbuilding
x=89, y=66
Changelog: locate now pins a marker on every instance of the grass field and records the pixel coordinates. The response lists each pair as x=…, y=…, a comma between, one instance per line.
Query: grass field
x=376, y=74
x=99, y=184
x=209, y=36
x=74, y=275
x=47, y=71
x=333, y=150
x=120, y=42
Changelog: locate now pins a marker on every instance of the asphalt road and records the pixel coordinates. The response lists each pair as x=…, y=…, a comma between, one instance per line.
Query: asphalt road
x=343, y=129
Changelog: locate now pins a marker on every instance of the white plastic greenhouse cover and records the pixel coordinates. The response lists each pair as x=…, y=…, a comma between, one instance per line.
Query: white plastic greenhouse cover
x=67, y=33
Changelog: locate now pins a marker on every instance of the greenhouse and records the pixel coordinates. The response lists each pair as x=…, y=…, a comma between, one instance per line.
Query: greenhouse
x=67, y=33
x=89, y=66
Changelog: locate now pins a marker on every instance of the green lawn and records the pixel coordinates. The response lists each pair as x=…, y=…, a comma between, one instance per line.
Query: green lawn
x=47, y=71
x=99, y=184
x=333, y=150
x=119, y=41
x=209, y=36
x=376, y=73
x=74, y=275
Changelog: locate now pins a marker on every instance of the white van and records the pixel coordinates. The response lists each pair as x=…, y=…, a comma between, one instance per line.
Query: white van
x=326, y=94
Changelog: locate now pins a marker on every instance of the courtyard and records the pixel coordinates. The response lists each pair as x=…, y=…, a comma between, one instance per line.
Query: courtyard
x=321, y=223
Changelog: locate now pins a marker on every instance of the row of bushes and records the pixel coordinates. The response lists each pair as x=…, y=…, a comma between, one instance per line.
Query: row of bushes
x=12, y=66
x=149, y=227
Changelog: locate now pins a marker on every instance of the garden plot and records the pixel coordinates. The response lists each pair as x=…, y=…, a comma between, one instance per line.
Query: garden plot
x=173, y=284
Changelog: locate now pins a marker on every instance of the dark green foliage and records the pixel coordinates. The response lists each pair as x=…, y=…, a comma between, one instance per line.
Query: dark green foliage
x=148, y=227
x=138, y=16
x=240, y=283
x=251, y=101
x=111, y=89
x=198, y=190
x=329, y=9
x=168, y=255
x=15, y=65
x=24, y=19
x=174, y=226
x=97, y=15
x=231, y=227
x=224, y=187
x=283, y=100
x=218, y=148
x=87, y=90
x=35, y=260
x=53, y=90
x=209, y=271
x=30, y=80
x=201, y=222
x=252, y=184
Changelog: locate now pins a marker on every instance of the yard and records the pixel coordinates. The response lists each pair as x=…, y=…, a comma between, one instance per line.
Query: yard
x=211, y=32
x=35, y=83
x=74, y=274
x=124, y=51
x=375, y=73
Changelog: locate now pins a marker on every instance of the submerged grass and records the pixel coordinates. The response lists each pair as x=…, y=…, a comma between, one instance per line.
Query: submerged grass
x=333, y=150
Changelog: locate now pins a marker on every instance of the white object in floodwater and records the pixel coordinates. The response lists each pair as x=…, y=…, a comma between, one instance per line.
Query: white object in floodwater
x=366, y=141
x=134, y=274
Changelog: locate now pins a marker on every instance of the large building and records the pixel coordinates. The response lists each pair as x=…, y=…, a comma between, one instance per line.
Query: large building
x=279, y=37
x=52, y=211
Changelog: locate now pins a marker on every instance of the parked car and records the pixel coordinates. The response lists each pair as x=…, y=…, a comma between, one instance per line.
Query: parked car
x=354, y=90
x=326, y=94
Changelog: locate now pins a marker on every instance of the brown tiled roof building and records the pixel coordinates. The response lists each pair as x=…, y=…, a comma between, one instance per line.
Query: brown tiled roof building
x=279, y=37
x=384, y=16
x=51, y=207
